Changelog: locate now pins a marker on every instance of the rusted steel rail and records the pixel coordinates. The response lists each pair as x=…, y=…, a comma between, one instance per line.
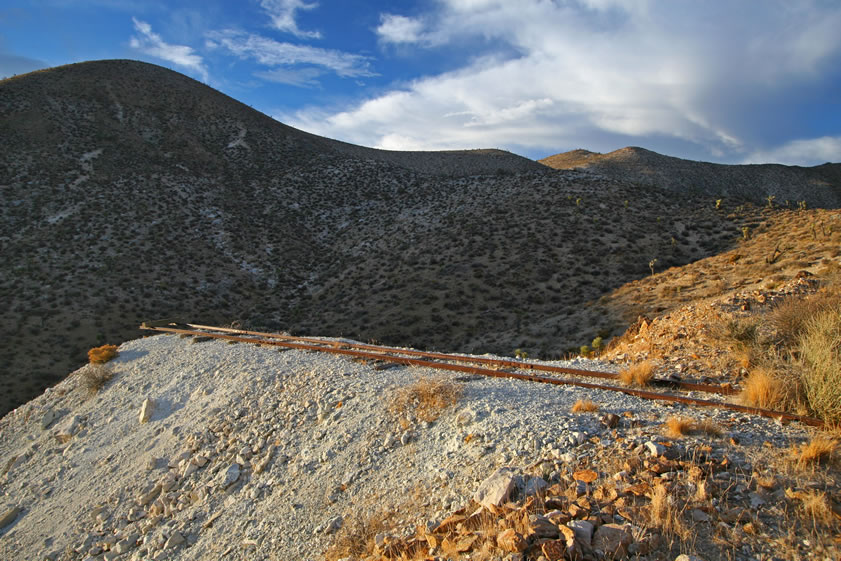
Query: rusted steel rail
x=494, y=362
x=291, y=342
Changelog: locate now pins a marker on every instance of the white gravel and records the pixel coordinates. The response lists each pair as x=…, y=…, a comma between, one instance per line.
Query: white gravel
x=317, y=423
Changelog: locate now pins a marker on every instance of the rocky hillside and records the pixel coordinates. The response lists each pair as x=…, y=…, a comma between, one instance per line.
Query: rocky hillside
x=131, y=192
x=818, y=186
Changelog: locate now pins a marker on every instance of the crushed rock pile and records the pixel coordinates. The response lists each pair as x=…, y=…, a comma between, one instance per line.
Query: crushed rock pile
x=201, y=449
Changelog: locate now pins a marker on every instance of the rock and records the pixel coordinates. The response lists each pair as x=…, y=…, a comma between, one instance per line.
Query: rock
x=333, y=525
x=613, y=540
x=146, y=410
x=686, y=557
x=610, y=420
x=174, y=540
x=535, y=486
x=756, y=500
x=126, y=544
x=510, y=540
x=405, y=438
x=68, y=429
x=699, y=515
x=230, y=476
x=49, y=418
x=655, y=449
x=147, y=498
x=497, y=488
x=583, y=531
x=9, y=516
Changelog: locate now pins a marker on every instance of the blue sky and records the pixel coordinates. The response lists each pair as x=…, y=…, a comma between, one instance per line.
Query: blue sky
x=745, y=81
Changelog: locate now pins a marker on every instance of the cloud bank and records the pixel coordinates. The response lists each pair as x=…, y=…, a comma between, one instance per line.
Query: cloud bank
x=150, y=43
x=550, y=76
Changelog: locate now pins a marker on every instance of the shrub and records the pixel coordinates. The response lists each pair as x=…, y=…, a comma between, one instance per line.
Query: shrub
x=818, y=449
x=677, y=427
x=820, y=356
x=584, y=406
x=101, y=355
x=95, y=376
x=428, y=396
x=764, y=388
x=639, y=374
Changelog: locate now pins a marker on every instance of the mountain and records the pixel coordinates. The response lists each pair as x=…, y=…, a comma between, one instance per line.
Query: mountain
x=818, y=186
x=130, y=192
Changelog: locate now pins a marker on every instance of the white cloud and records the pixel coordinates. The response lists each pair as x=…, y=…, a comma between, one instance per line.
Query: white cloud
x=302, y=77
x=557, y=75
x=150, y=43
x=808, y=152
x=282, y=14
x=399, y=29
x=269, y=52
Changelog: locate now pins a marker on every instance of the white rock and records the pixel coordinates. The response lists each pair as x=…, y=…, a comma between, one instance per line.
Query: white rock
x=146, y=410
x=496, y=489
x=174, y=540
x=405, y=438
x=655, y=449
x=48, y=419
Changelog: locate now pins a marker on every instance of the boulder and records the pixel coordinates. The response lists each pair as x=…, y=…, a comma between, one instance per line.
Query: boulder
x=497, y=488
x=613, y=540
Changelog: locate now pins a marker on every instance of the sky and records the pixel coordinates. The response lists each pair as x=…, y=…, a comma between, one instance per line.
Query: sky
x=729, y=81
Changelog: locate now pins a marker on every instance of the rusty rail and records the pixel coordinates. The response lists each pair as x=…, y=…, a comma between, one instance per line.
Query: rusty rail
x=340, y=348
x=495, y=362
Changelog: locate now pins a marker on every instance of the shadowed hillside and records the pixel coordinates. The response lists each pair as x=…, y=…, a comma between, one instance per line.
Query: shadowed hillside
x=819, y=186
x=131, y=192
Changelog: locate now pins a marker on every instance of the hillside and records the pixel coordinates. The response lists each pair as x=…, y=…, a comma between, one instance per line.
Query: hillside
x=819, y=186
x=131, y=192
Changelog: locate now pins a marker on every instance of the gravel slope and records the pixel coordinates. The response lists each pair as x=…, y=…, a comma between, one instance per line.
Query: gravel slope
x=252, y=453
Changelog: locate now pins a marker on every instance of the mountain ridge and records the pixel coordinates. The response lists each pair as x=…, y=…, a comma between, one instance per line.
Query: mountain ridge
x=818, y=186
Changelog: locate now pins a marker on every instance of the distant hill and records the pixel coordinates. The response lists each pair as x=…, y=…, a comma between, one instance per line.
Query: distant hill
x=130, y=192
x=819, y=186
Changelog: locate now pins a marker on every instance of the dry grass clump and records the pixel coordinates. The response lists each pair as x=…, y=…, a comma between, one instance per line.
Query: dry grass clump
x=819, y=449
x=639, y=374
x=427, y=397
x=677, y=427
x=820, y=357
x=355, y=539
x=101, y=355
x=95, y=376
x=663, y=513
x=763, y=388
x=584, y=406
x=816, y=507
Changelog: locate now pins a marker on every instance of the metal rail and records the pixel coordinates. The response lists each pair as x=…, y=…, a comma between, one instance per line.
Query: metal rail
x=495, y=362
x=336, y=347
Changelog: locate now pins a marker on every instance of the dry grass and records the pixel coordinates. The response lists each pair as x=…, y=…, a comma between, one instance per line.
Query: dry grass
x=95, y=376
x=820, y=357
x=818, y=450
x=677, y=427
x=101, y=355
x=664, y=514
x=639, y=374
x=426, y=398
x=355, y=538
x=585, y=406
x=763, y=388
x=816, y=507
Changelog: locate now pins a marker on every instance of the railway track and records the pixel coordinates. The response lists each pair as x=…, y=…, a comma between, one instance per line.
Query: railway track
x=482, y=366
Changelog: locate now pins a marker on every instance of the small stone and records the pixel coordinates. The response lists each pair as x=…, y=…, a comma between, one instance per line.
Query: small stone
x=68, y=429
x=686, y=557
x=333, y=525
x=655, y=449
x=583, y=530
x=174, y=540
x=613, y=540
x=146, y=410
x=405, y=438
x=699, y=515
x=756, y=500
x=231, y=476
x=9, y=516
x=496, y=489
x=610, y=420
x=535, y=486
x=49, y=417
